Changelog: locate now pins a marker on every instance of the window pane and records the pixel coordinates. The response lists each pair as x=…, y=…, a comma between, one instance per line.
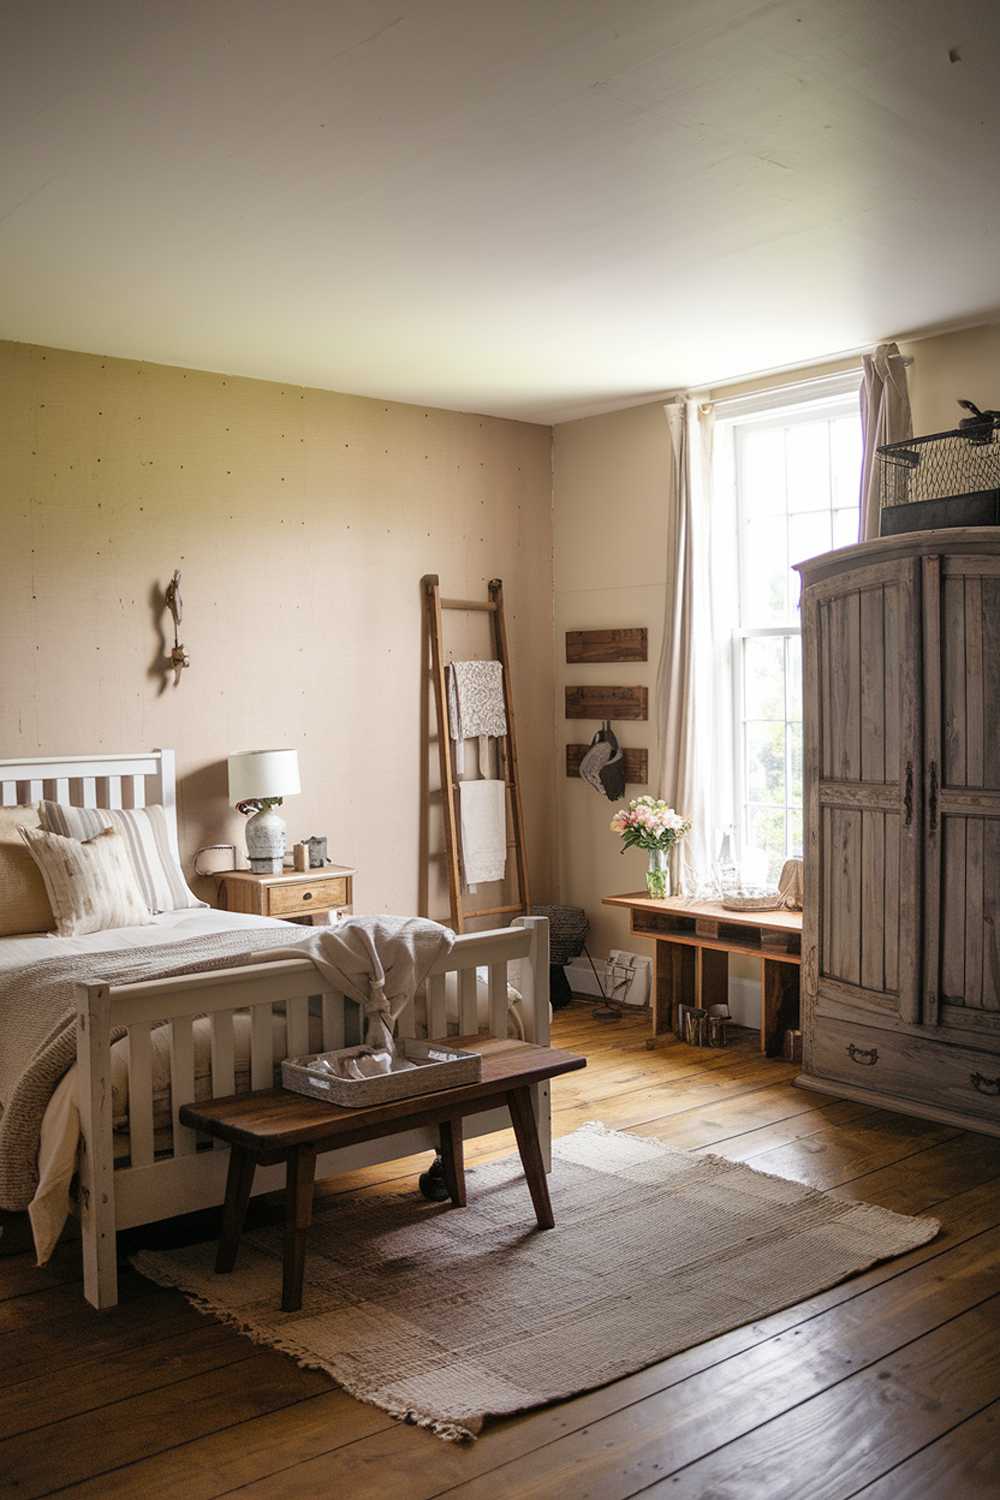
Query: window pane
x=808, y=451
x=765, y=573
x=764, y=680
x=845, y=456
x=794, y=676
x=766, y=830
x=795, y=764
x=765, y=769
x=845, y=527
x=797, y=479
x=762, y=471
x=808, y=535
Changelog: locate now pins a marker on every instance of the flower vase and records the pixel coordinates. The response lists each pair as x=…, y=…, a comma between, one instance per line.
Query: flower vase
x=658, y=874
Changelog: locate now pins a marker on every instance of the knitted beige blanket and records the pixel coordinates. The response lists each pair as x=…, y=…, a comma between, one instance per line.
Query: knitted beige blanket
x=38, y=1029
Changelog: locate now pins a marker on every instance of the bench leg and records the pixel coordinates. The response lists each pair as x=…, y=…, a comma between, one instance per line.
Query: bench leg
x=526, y=1130
x=301, y=1173
x=453, y=1160
x=238, y=1184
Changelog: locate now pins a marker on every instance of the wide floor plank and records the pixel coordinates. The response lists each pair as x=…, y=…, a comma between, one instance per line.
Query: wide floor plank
x=829, y=1447
x=964, y=1462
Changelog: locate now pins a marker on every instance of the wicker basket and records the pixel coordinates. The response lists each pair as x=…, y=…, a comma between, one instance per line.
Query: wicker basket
x=567, y=931
x=437, y=1067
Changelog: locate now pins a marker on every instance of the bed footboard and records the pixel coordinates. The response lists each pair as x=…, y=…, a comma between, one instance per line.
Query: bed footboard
x=156, y=1184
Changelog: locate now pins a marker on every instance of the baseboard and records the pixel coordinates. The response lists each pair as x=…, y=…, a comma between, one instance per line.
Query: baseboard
x=895, y=1105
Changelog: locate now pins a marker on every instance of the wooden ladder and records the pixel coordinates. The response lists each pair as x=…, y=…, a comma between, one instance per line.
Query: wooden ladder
x=507, y=768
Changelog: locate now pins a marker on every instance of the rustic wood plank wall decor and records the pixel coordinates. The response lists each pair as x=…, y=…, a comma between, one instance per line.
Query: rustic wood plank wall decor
x=607, y=703
x=607, y=645
x=636, y=763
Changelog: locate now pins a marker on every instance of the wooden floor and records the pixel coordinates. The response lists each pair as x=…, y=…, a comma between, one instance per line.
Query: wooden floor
x=887, y=1386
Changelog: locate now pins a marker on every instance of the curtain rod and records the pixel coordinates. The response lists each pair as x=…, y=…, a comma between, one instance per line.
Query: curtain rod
x=788, y=387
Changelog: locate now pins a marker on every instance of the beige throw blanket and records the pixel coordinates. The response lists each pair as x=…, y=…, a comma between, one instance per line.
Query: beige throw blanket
x=378, y=961
x=38, y=1028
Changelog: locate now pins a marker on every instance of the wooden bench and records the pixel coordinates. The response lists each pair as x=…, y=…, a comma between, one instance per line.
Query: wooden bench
x=276, y=1125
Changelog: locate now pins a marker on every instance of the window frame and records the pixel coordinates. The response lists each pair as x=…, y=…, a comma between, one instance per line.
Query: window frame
x=840, y=398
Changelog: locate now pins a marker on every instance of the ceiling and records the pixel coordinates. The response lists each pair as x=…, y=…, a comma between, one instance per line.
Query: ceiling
x=532, y=208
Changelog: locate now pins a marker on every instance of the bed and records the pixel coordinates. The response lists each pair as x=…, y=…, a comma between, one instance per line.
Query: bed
x=219, y=1031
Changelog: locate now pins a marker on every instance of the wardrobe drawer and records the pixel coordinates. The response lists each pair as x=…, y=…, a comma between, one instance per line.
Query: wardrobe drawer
x=305, y=896
x=892, y=1062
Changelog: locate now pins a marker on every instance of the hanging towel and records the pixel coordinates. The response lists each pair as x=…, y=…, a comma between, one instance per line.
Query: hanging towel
x=475, y=699
x=483, y=817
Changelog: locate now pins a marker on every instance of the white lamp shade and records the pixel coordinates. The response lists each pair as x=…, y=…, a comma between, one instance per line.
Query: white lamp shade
x=263, y=773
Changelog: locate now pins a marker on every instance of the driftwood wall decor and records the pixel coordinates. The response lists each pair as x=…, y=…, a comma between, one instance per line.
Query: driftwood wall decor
x=179, y=658
x=607, y=703
x=636, y=763
x=607, y=645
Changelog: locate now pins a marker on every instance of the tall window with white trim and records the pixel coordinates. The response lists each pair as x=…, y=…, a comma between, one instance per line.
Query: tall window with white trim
x=794, y=475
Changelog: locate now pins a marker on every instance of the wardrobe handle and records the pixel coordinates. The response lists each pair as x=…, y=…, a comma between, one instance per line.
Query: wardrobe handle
x=865, y=1057
x=984, y=1085
x=908, y=793
x=934, y=797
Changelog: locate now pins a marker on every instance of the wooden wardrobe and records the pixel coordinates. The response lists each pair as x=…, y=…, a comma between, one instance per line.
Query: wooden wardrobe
x=901, y=934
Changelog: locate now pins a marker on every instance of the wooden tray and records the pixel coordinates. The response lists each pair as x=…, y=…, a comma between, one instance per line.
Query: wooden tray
x=437, y=1067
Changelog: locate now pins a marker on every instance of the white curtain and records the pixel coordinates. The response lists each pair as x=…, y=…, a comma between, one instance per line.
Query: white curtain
x=885, y=418
x=686, y=683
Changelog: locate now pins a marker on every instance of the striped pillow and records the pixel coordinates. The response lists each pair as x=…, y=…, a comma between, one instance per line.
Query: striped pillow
x=91, y=885
x=147, y=839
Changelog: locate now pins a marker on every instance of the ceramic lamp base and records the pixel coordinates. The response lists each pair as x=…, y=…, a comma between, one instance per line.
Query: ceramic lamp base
x=266, y=842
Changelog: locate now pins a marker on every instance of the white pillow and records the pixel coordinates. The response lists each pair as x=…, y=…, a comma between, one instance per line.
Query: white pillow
x=147, y=841
x=91, y=885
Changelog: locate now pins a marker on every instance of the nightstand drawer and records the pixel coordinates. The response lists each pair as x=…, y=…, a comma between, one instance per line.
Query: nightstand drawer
x=304, y=896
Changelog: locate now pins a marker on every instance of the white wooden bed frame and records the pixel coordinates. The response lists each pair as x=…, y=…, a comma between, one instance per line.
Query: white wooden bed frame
x=154, y=1185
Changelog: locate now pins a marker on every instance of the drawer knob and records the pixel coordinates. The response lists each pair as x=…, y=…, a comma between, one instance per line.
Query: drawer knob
x=865, y=1057
x=984, y=1085
x=307, y=895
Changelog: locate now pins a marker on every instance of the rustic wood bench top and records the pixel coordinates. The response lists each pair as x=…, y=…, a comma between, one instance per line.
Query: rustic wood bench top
x=274, y=1119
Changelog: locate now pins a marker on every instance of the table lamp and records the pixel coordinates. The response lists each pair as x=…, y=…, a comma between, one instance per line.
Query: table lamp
x=258, y=782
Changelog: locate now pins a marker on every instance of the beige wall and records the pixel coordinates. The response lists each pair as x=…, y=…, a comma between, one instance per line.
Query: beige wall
x=302, y=521
x=609, y=515
x=965, y=364
x=609, y=497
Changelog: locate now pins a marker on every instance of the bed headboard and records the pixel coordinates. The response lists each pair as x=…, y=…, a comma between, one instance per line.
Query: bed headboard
x=94, y=781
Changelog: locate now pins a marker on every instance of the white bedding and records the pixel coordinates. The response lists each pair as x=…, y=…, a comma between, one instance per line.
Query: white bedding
x=60, y=1135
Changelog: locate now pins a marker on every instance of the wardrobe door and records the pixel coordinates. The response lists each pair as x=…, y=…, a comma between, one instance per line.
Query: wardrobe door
x=863, y=686
x=962, y=811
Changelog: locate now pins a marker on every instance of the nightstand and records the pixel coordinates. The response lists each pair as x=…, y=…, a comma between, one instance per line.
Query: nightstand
x=311, y=895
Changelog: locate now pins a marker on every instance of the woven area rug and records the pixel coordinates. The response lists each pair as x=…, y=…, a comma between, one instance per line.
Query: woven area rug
x=444, y=1316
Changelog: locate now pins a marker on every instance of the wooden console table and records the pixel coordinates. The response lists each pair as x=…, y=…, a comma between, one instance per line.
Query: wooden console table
x=693, y=941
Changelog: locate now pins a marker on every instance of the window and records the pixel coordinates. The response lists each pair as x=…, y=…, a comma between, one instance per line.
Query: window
x=794, y=480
